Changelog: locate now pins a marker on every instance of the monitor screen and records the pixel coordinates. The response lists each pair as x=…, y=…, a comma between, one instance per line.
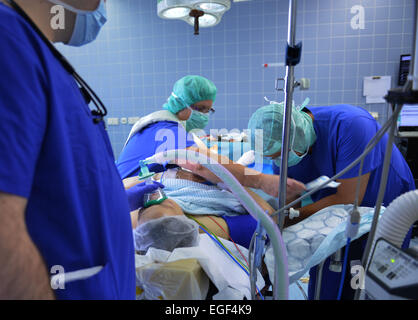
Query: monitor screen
x=406, y=57
x=408, y=118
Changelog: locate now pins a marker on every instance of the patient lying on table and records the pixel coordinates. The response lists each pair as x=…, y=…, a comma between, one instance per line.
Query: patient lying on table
x=165, y=226
x=210, y=206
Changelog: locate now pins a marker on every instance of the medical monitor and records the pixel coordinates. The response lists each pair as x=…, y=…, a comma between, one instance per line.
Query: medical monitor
x=408, y=121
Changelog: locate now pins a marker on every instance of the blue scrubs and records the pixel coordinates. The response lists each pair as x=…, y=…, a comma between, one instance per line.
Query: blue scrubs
x=156, y=137
x=53, y=155
x=343, y=132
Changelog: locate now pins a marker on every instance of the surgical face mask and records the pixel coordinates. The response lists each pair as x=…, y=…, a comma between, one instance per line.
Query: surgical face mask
x=293, y=158
x=167, y=233
x=197, y=120
x=87, y=24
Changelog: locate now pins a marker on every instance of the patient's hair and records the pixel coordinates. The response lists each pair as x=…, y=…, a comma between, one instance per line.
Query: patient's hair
x=167, y=233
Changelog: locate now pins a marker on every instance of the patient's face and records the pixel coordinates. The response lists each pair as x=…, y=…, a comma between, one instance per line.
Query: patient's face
x=165, y=209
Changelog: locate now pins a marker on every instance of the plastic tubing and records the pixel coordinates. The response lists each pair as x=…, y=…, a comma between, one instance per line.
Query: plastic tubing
x=398, y=218
x=280, y=291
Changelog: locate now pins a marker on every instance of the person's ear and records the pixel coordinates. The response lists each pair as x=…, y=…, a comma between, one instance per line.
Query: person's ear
x=184, y=114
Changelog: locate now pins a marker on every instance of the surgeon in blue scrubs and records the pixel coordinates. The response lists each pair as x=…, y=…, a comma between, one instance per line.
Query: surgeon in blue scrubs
x=187, y=108
x=62, y=203
x=323, y=141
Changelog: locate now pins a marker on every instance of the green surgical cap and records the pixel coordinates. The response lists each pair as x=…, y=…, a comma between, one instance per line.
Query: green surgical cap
x=270, y=119
x=189, y=90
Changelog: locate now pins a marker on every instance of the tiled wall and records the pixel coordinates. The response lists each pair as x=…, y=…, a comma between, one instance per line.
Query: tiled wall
x=138, y=56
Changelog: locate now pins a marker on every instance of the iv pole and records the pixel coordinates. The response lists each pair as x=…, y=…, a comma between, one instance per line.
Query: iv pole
x=293, y=53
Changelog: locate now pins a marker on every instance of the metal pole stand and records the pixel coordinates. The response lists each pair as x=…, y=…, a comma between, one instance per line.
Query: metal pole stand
x=293, y=56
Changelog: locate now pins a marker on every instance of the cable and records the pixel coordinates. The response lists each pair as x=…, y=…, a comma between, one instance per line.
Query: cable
x=223, y=248
x=301, y=289
x=165, y=169
x=340, y=290
x=161, y=178
x=217, y=241
x=230, y=239
x=204, y=228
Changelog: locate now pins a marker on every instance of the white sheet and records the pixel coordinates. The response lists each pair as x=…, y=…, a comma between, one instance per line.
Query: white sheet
x=231, y=281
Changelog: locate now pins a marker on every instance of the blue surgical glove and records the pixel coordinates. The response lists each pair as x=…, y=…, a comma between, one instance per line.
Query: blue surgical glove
x=137, y=192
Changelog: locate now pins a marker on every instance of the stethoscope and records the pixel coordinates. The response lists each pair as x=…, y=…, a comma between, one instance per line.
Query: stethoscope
x=88, y=94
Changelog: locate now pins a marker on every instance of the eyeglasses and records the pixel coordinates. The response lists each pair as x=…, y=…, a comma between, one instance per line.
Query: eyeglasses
x=203, y=109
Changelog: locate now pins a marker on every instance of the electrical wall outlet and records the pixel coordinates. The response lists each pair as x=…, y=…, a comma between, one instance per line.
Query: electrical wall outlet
x=133, y=120
x=375, y=115
x=305, y=84
x=113, y=121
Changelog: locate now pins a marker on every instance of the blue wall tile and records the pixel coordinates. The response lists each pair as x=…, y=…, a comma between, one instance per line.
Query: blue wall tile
x=138, y=56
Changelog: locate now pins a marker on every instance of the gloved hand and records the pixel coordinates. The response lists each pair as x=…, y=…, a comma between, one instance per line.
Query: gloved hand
x=247, y=158
x=137, y=192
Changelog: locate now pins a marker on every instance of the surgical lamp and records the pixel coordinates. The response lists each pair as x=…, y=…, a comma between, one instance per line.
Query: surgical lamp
x=197, y=13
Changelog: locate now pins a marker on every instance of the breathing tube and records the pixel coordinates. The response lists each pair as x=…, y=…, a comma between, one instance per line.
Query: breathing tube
x=280, y=291
x=398, y=218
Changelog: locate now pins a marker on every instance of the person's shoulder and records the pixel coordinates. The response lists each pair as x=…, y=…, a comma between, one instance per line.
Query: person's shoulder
x=154, y=127
x=15, y=32
x=7, y=14
x=341, y=112
x=165, y=124
x=11, y=22
x=356, y=123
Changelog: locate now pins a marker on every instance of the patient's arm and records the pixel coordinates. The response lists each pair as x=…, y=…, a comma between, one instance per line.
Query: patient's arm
x=219, y=227
x=247, y=177
x=269, y=183
x=215, y=224
x=345, y=195
x=262, y=203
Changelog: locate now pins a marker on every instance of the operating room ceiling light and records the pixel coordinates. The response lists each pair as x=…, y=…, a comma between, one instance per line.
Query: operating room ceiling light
x=211, y=11
x=211, y=7
x=176, y=13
